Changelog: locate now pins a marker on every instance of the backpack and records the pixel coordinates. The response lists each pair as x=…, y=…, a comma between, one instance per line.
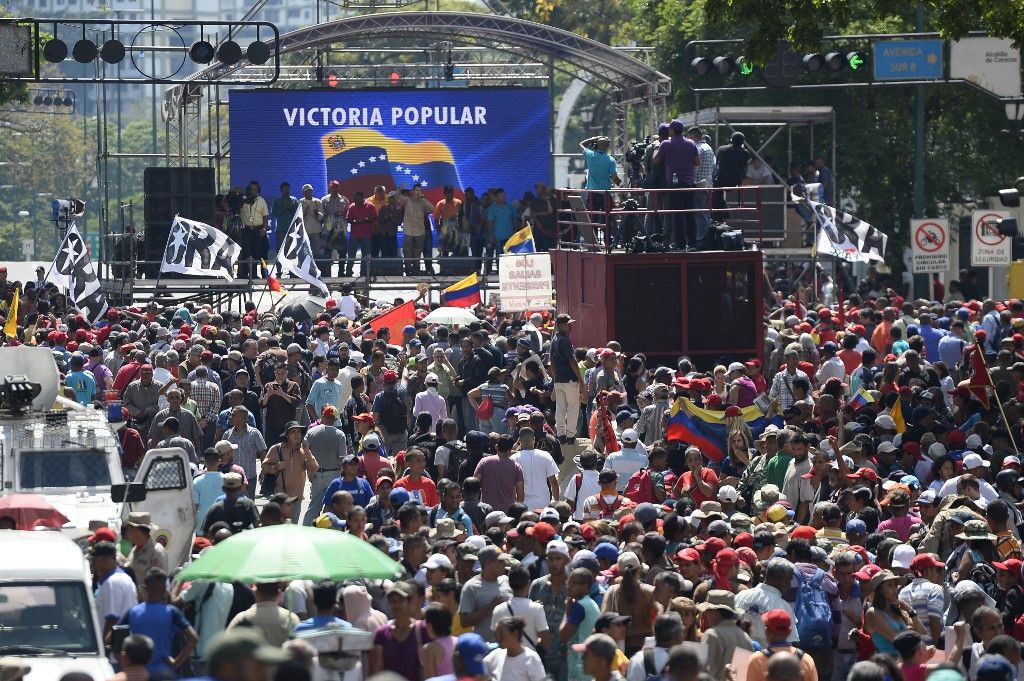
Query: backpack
x=813, y=612
x=456, y=455
x=984, y=575
x=608, y=511
x=652, y=672
x=393, y=412
x=242, y=600
x=640, y=488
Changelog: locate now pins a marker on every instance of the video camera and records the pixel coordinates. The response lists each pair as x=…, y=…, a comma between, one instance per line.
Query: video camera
x=635, y=153
x=66, y=209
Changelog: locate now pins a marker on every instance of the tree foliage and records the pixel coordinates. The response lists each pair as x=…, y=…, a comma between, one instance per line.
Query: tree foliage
x=803, y=23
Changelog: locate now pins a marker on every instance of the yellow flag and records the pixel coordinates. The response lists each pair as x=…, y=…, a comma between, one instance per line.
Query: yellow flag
x=897, y=416
x=11, y=325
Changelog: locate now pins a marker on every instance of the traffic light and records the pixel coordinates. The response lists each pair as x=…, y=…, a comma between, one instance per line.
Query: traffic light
x=723, y=65
x=834, y=62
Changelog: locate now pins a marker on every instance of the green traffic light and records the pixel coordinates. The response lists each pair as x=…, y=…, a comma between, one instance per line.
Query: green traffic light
x=746, y=69
x=855, y=60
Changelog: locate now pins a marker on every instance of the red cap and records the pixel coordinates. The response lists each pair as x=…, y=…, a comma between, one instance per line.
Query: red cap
x=777, y=620
x=112, y=313
x=712, y=546
x=867, y=572
x=733, y=410
x=858, y=329
x=713, y=401
x=331, y=304
x=1012, y=565
x=825, y=313
x=688, y=556
x=804, y=327
x=588, y=532
x=207, y=355
x=756, y=363
x=923, y=561
x=803, y=532
x=368, y=417
x=201, y=543
x=956, y=437
x=864, y=474
x=542, y=532
x=747, y=555
x=103, y=534
x=390, y=376
x=743, y=539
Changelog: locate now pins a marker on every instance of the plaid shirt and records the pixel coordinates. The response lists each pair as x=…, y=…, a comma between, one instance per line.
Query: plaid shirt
x=706, y=169
x=207, y=397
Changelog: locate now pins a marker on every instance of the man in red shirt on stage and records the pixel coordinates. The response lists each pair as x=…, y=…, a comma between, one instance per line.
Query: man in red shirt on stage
x=362, y=217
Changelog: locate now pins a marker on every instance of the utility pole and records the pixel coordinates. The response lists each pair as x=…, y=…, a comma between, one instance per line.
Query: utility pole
x=921, y=282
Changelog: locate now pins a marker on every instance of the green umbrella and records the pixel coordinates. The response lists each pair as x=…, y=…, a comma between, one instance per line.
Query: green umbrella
x=286, y=552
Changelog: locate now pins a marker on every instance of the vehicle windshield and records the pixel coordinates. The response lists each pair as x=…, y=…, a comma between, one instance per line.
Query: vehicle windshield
x=50, y=615
x=51, y=468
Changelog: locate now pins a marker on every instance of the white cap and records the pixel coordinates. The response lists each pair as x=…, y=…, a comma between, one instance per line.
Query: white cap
x=728, y=494
x=558, y=546
x=936, y=450
x=886, y=447
x=902, y=555
x=885, y=422
x=736, y=366
x=438, y=560
x=430, y=378
x=476, y=541
x=630, y=435
x=974, y=460
x=973, y=441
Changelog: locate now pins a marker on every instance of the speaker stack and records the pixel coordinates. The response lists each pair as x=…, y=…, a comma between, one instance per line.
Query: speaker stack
x=187, y=192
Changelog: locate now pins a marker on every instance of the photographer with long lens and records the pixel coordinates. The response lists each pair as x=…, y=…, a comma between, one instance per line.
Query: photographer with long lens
x=255, y=221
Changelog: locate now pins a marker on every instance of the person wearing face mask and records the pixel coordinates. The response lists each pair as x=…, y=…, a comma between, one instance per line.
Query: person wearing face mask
x=430, y=402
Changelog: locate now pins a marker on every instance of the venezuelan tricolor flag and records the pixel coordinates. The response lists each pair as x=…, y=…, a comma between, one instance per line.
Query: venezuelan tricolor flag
x=521, y=241
x=463, y=293
x=861, y=398
x=706, y=429
x=272, y=283
x=362, y=158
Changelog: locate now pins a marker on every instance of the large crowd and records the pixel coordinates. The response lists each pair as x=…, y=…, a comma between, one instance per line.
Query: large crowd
x=860, y=519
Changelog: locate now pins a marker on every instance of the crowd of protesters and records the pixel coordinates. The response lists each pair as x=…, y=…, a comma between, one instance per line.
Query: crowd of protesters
x=859, y=521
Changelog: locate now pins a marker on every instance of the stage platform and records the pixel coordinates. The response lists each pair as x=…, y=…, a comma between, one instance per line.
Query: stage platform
x=707, y=305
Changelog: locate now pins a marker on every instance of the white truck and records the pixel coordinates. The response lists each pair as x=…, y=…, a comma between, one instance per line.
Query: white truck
x=71, y=455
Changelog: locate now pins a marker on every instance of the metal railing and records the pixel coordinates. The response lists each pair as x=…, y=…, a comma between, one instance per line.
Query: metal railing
x=595, y=219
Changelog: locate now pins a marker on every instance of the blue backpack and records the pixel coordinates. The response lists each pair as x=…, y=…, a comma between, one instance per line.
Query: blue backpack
x=813, y=612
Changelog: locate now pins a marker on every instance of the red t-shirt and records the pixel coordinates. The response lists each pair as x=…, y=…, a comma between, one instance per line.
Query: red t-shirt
x=366, y=214
x=424, y=490
x=708, y=476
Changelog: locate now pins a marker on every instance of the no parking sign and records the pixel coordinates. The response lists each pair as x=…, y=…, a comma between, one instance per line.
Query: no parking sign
x=930, y=245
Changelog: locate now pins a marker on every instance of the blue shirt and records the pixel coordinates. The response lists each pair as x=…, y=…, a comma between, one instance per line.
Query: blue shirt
x=84, y=385
x=600, y=168
x=320, y=621
x=206, y=489
x=224, y=419
x=359, y=488
x=161, y=622
x=324, y=392
x=502, y=218
x=931, y=337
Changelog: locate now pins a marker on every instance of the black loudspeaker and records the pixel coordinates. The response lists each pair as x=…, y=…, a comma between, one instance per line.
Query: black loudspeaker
x=643, y=293
x=188, y=192
x=720, y=306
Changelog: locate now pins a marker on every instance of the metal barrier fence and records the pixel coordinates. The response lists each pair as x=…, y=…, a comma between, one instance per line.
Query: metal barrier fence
x=589, y=218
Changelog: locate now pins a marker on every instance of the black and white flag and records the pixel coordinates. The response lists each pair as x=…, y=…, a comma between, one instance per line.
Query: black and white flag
x=72, y=270
x=845, y=236
x=295, y=255
x=197, y=248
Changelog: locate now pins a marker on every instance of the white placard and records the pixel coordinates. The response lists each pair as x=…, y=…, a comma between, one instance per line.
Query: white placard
x=929, y=244
x=524, y=281
x=992, y=64
x=989, y=247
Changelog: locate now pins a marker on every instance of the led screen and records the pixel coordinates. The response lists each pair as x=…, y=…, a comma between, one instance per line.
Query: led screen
x=473, y=137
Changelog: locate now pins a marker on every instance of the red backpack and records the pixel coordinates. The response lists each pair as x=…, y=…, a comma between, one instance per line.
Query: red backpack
x=640, y=487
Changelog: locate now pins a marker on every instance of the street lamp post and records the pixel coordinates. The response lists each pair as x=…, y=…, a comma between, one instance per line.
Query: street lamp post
x=1014, y=113
x=24, y=214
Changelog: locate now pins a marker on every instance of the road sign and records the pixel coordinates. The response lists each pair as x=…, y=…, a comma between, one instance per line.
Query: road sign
x=993, y=64
x=28, y=248
x=930, y=248
x=988, y=246
x=908, y=59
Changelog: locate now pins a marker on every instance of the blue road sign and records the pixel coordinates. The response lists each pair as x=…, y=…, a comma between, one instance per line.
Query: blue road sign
x=908, y=59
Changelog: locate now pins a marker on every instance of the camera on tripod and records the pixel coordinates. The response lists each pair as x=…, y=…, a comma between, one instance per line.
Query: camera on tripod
x=635, y=153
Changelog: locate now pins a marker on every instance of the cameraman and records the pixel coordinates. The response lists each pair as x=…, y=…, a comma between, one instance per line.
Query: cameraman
x=654, y=178
x=602, y=170
x=255, y=221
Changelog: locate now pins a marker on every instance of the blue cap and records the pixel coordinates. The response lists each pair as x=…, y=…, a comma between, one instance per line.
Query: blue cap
x=398, y=496
x=944, y=322
x=856, y=526
x=607, y=551
x=910, y=481
x=511, y=411
x=473, y=649
x=912, y=330
x=961, y=517
x=623, y=415
x=963, y=313
x=409, y=328
x=995, y=668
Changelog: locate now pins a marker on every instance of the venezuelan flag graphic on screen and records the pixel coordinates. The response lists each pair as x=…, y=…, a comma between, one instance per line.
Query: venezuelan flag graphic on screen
x=361, y=158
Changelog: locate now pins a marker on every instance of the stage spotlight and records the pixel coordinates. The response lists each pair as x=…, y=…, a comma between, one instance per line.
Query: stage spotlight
x=84, y=51
x=55, y=51
x=201, y=52
x=229, y=53
x=258, y=53
x=112, y=51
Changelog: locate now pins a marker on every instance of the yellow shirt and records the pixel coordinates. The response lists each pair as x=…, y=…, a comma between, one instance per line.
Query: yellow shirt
x=457, y=628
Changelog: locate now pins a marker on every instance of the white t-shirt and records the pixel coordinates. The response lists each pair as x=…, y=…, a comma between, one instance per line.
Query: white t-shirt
x=116, y=595
x=162, y=375
x=531, y=611
x=523, y=667
x=589, y=486
x=348, y=306
x=537, y=467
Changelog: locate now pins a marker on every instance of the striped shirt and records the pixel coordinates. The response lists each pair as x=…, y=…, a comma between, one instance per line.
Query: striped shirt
x=706, y=170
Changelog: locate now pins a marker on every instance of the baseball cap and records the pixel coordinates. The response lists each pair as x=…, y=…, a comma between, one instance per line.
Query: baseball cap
x=728, y=494
x=472, y=650
x=777, y=620
x=903, y=556
x=438, y=560
x=607, y=551
x=558, y=546
x=923, y=561
x=995, y=668
x=645, y=513
x=1012, y=565
x=629, y=435
x=607, y=619
x=856, y=526
x=974, y=460
x=601, y=645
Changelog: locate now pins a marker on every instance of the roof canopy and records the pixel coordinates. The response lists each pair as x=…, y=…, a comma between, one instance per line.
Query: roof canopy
x=759, y=115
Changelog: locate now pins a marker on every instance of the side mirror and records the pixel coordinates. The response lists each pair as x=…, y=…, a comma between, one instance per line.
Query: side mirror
x=128, y=493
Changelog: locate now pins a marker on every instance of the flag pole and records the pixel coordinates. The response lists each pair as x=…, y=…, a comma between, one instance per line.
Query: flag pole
x=1009, y=428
